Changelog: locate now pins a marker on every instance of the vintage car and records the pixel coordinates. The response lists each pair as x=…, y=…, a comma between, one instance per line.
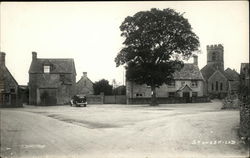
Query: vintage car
x=78, y=100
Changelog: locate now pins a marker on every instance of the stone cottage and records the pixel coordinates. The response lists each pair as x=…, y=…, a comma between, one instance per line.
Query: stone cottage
x=51, y=81
x=218, y=82
x=188, y=83
x=84, y=85
x=9, y=91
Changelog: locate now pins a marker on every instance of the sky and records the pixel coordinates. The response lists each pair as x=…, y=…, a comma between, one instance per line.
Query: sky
x=89, y=33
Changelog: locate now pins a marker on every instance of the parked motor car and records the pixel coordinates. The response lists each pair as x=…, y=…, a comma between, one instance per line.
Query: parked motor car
x=78, y=100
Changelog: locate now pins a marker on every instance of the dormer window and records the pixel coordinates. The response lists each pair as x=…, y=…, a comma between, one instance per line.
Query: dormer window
x=46, y=69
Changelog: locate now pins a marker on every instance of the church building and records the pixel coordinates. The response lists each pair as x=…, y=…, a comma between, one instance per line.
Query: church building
x=218, y=82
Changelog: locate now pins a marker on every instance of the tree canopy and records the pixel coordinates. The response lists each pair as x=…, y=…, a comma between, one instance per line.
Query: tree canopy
x=155, y=42
x=102, y=86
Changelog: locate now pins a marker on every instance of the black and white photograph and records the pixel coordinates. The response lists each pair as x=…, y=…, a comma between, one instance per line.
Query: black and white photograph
x=125, y=79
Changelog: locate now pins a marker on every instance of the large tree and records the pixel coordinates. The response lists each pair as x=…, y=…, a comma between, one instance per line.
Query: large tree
x=102, y=86
x=155, y=42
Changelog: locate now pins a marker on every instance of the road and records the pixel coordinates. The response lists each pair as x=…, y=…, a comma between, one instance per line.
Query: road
x=119, y=131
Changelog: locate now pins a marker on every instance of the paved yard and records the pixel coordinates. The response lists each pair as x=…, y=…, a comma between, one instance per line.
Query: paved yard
x=121, y=131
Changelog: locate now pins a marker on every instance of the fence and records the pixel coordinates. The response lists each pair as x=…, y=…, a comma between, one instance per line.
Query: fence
x=115, y=99
x=95, y=99
x=110, y=99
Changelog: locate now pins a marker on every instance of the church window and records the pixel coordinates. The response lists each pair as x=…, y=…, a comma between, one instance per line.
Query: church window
x=214, y=56
x=216, y=85
x=221, y=86
x=212, y=86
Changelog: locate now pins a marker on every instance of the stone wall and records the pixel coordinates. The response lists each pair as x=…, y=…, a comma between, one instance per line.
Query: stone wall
x=38, y=83
x=220, y=78
x=165, y=100
x=245, y=120
x=9, y=89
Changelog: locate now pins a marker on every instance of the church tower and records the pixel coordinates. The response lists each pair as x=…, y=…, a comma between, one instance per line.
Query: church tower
x=215, y=56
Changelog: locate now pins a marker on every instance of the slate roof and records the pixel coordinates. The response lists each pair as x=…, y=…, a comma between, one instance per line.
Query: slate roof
x=188, y=72
x=57, y=65
x=208, y=70
x=4, y=71
x=232, y=74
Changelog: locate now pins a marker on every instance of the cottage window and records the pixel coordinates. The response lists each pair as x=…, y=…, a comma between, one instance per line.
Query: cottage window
x=138, y=94
x=221, y=85
x=46, y=69
x=171, y=94
x=217, y=85
x=194, y=94
x=194, y=84
x=171, y=84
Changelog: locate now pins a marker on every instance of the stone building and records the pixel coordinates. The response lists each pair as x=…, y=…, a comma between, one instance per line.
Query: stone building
x=245, y=75
x=218, y=82
x=51, y=81
x=84, y=85
x=188, y=83
x=9, y=91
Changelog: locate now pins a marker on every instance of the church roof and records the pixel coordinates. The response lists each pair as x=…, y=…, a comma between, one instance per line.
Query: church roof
x=232, y=74
x=208, y=70
x=188, y=72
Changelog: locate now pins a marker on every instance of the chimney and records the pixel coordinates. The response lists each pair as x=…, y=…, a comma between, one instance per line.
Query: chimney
x=195, y=59
x=2, y=58
x=34, y=55
x=84, y=74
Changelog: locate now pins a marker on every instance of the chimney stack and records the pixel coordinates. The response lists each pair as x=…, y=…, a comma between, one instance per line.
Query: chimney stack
x=34, y=55
x=2, y=58
x=84, y=74
x=195, y=59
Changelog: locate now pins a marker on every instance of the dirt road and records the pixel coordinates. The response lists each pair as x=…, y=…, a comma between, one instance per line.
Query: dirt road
x=116, y=131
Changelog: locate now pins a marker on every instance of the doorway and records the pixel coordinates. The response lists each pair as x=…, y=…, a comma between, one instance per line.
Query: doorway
x=186, y=95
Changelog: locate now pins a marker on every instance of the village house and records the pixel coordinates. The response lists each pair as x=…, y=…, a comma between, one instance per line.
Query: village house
x=84, y=85
x=51, y=81
x=9, y=89
x=218, y=82
x=187, y=86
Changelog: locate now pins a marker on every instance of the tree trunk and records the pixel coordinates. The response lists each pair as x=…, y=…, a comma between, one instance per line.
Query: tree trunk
x=153, y=96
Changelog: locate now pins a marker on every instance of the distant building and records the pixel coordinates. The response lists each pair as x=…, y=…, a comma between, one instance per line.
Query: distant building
x=245, y=75
x=218, y=82
x=9, y=96
x=188, y=83
x=84, y=85
x=51, y=81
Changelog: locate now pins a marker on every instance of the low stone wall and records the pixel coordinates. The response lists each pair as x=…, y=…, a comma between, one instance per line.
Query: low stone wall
x=245, y=120
x=172, y=100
